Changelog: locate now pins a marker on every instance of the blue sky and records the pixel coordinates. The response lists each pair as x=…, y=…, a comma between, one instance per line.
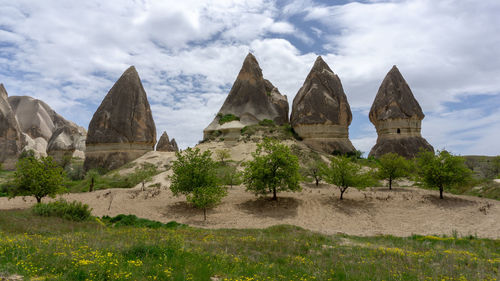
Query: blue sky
x=188, y=53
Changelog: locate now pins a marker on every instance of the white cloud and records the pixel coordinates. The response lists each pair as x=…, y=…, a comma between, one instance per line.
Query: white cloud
x=189, y=52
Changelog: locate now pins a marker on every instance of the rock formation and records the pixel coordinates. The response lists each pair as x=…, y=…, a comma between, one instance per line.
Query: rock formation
x=164, y=144
x=10, y=133
x=67, y=141
x=397, y=116
x=122, y=129
x=251, y=99
x=39, y=122
x=320, y=113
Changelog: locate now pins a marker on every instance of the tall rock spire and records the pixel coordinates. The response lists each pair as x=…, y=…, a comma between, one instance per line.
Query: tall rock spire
x=10, y=133
x=122, y=129
x=397, y=116
x=321, y=114
x=251, y=99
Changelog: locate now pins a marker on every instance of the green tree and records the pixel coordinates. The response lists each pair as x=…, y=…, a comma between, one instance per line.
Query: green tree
x=392, y=166
x=344, y=173
x=38, y=177
x=222, y=155
x=495, y=167
x=228, y=175
x=442, y=170
x=194, y=175
x=91, y=176
x=312, y=170
x=274, y=168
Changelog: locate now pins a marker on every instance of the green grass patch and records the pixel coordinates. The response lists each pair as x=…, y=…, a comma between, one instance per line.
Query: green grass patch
x=50, y=250
x=115, y=180
x=269, y=129
x=132, y=220
x=75, y=211
x=228, y=118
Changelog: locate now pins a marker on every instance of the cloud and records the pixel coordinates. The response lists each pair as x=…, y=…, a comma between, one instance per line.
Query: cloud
x=189, y=52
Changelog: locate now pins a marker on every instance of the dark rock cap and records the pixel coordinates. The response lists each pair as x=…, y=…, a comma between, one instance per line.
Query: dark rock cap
x=164, y=144
x=124, y=115
x=395, y=99
x=251, y=94
x=321, y=99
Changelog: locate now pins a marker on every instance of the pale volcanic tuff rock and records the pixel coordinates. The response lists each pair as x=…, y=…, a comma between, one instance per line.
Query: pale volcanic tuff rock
x=164, y=144
x=122, y=129
x=397, y=116
x=320, y=113
x=67, y=141
x=10, y=133
x=252, y=99
x=38, y=122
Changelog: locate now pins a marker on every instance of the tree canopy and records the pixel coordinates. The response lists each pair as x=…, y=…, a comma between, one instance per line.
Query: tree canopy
x=38, y=177
x=442, y=170
x=392, y=166
x=273, y=168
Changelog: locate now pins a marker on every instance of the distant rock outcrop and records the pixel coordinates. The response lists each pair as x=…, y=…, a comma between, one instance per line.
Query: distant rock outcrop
x=122, y=129
x=10, y=133
x=251, y=99
x=397, y=116
x=39, y=122
x=164, y=144
x=67, y=141
x=320, y=113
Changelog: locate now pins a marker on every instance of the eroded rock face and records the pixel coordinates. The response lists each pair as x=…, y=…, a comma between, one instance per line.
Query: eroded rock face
x=67, y=141
x=320, y=113
x=251, y=99
x=397, y=116
x=122, y=129
x=164, y=144
x=10, y=133
x=38, y=120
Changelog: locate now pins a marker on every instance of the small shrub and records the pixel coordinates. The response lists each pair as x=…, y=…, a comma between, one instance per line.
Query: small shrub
x=75, y=211
x=132, y=220
x=267, y=122
x=227, y=118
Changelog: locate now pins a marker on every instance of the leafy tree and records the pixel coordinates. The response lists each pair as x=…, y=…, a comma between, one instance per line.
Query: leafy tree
x=194, y=175
x=495, y=166
x=344, y=173
x=222, y=155
x=91, y=177
x=392, y=166
x=228, y=175
x=442, y=170
x=274, y=168
x=312, y=170
x=38, y=177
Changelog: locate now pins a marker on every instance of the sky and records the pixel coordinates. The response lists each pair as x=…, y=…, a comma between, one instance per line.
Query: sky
x=188, y=53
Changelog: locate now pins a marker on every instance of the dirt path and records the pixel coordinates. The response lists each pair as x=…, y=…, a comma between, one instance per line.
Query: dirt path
x=401, y=212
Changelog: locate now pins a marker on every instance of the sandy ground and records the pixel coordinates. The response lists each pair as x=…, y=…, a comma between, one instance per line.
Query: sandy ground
x=401, y=212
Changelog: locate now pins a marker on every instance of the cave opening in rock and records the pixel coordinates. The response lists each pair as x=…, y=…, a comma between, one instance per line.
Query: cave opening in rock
x=399, y=131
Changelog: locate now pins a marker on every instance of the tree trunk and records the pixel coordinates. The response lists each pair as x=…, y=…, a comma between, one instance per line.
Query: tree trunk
x=342, y=190
x=390, y=183
x=317, y=181
x=38, y=199
x=91, y=188
x=274, y=194
x=441, y=192
x=205, y=213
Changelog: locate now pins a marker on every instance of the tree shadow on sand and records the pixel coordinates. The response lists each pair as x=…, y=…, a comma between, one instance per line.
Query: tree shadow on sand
x=284, y=207
x=448, y=201
x=348, y=206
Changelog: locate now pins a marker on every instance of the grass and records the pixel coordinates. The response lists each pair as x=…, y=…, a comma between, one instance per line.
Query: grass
x=115, y=180
x=45, y=248
x=76, y=211
x=227, y=118
x=270, y=129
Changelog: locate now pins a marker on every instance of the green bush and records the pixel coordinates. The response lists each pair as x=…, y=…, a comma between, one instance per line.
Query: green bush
x=267, y=122
x=132, y=220
x=227, y=118
x=75, y=211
